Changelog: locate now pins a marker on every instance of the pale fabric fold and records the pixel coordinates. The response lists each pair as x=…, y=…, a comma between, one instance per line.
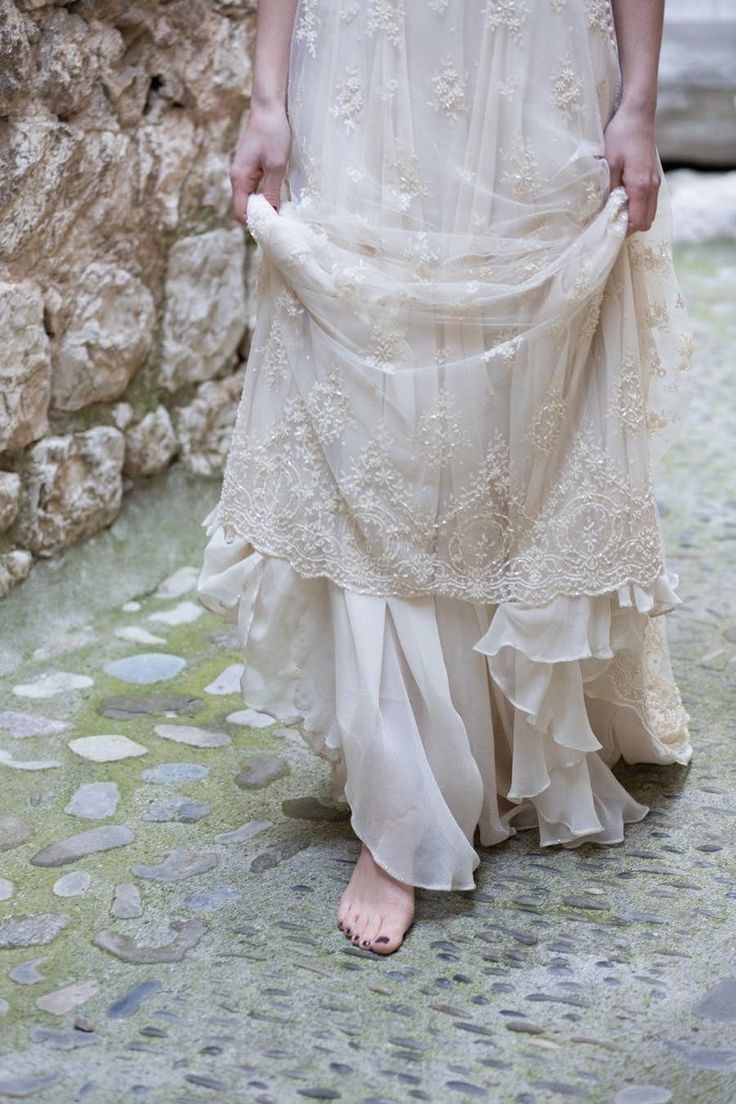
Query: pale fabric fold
x=438, y=716
x=437, y=530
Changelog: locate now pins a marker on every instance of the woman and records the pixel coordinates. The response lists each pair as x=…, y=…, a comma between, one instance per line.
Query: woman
x=437, y=530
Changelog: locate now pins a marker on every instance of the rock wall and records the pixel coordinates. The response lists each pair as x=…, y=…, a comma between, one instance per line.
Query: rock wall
x=123, y=315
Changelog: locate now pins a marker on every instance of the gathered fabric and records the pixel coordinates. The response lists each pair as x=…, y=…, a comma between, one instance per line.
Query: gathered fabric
x=437, y=529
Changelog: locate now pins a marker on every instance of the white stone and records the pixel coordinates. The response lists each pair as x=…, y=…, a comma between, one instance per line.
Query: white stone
x=64, y=1000
x=107, y=338
x=137, y=635
x=6, y=889
x=24, y=365
x=204, y=427
x=74, y=884
x=53, y=683
x=9, y=498
x=250, y=718
x=7, y=759
x=150, y=444
x=108, y=748
x=228, y=681
x=181, y=582
x=182, y=614
x=94, y=800
x=73, y=487
x=130, y=607
x=191, y=735
x=202, y=332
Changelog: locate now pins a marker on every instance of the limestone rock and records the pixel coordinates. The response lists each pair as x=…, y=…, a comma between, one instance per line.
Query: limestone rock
x=204, y=427
x=73, y=488
x=202, y=332
x=67, y=66
x=14, y=566
x=24, y=366
x=16, y=60
x=32, y=931
x=107, y=338
x=9, y=498
x=150, y=445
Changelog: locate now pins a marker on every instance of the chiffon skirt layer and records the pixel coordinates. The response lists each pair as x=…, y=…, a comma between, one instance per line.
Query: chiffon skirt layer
x=439, y=716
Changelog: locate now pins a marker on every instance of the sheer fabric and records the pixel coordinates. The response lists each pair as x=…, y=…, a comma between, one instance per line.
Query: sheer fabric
x=460, y=376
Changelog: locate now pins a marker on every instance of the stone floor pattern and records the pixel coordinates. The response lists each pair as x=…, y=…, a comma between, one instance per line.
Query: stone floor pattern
x=170, y=866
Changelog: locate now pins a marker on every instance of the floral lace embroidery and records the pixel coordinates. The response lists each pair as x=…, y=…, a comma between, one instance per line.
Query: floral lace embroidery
x=448, y=90
x=387, y=17
x=348, y=103
x=509, y=14
x=307, y=28
x=567, y=89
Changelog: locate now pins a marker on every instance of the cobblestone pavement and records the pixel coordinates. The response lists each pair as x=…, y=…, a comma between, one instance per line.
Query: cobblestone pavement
x=169, y=869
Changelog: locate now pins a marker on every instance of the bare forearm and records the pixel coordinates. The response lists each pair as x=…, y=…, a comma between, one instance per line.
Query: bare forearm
x=274, y=24
x=639, y=33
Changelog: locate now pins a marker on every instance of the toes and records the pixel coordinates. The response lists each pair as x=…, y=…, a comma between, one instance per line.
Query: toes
x=372, y=930
x=388, y=941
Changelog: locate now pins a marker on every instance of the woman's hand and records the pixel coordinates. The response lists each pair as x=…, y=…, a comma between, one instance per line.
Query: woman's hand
x=631, y=154
x=261, y=156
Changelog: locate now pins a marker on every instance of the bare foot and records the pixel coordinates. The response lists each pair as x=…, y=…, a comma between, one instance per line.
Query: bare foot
x=376, y=910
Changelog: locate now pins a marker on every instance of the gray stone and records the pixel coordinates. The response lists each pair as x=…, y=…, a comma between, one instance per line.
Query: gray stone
x=260, y=770
x=104, y=838
x=64, y=1000
x=227, y=682
x=309, y=808
x=126, y=904
x=6, y=889
x=14, y=568
x=132, y=1001
x=27, y=973
x=13, y=832
x=7, y=759
x=204, y=426
x=177, y=808
x=145, y=667
x=74, y=884
x=167, y=774
x=277, y=853
x=188, y=934
x=205, y=900
x=108, y=748
x=73, y=487
x=32, y=931
x=19, y=1086
x=250, y=718
x=191, y=735
x=94, y=800
x=23, y=726
x=720, y=1003
x=177, y=865
x=52, y=683
x=642, y=1094
x=714, y=1058
x=64, y=1040
x=159, y=705
x=245, y=832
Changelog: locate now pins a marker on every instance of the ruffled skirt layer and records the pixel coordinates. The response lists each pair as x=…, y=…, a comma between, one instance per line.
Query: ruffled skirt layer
x=439, y=716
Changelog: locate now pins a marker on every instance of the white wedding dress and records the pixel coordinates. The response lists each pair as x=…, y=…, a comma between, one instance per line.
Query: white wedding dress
x=437, y=531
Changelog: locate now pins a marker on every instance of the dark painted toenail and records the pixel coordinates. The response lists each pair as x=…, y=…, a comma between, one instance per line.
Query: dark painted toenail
x=366, y=942
x=382, y=939
x=347, y=930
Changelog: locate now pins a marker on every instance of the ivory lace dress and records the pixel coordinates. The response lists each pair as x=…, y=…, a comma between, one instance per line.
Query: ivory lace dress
x=437, y=531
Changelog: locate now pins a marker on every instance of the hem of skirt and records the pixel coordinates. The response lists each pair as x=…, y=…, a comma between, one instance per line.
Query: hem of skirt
x=629, y=575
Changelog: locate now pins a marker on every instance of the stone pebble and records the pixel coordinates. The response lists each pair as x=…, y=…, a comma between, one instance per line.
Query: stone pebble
x=109, y=748
x=132, y=1001
x=74, y=884
x=53, y=683
x=6, y=889
x=183, y=613
x=126, y=903
x=260, y=770
x=94, y=801
x=7, y=759
x=188, y=934
x=32, y=931
x=227, y=682
x=64, y=1000
x=103, y=838
x=192, y=736
x=309, y=808
x=160, y=705
x=24, y=726
x=23, y=1085
x=177, y=865
x=177, y=808
x=13, y=832
x=166, y=774
x=244, y=832
x=27, y=973
x=144, y=668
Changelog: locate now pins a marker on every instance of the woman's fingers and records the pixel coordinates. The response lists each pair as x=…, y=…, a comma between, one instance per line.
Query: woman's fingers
x=244, y=181
x=271, y=187
x=642, y=193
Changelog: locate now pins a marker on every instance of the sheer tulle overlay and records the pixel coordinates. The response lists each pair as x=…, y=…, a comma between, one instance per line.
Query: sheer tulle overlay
x=437, y=531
